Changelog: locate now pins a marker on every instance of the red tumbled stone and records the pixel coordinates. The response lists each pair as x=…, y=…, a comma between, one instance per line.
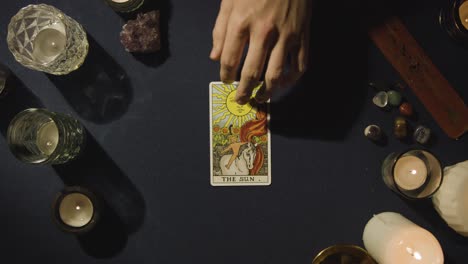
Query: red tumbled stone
x=406, y=109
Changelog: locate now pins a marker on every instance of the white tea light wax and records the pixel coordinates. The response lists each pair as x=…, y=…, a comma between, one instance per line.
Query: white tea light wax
x=410, y=172
x=49, y=43
x=390, y=238
x=76, y=210
x=47, y=138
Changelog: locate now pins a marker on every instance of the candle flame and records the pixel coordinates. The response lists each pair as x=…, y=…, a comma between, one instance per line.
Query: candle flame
x=78, y=207
x=417, y=255
x=414, y=172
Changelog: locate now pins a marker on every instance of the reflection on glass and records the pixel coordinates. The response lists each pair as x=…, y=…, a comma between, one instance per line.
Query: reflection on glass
x=343, y=254
x=42, y=137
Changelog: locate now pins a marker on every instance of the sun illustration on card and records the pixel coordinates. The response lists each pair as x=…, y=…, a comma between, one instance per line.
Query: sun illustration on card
x=226, y=111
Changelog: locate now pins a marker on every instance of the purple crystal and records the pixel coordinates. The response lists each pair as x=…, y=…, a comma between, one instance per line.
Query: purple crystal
x=142, y=35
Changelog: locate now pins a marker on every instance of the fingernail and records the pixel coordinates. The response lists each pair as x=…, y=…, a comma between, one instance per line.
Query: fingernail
x=242, y=100
x=214, y=53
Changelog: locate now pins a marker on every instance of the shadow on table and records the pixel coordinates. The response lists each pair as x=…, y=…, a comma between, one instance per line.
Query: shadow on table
x=426, y=209
x=107, y=239
x=15, y=98
x=379, y=10
x=328, y=99
x=99, y=91
x=165, y=11
x=124, y=206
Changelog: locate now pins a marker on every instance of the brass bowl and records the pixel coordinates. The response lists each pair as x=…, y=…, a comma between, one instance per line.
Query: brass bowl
x=343, y=254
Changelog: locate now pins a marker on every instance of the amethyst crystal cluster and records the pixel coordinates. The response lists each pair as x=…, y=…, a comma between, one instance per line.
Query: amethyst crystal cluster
x=142, y=35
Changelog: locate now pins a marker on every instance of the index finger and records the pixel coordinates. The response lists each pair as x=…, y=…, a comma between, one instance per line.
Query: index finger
x=252, y=70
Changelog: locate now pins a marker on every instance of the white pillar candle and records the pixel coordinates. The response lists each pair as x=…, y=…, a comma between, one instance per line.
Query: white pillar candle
x=120, y=1
x=76, y=210
x=47, y=138
x=410, y=172
x=390, y=238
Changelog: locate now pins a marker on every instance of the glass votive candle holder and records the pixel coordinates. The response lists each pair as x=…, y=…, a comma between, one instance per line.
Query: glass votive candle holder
x=39, y=136
x=343, y=254
x=125, y=6
x=76, y=210
x=453, y=18
x=4, y=73
x=413, y=174
x=43, y=38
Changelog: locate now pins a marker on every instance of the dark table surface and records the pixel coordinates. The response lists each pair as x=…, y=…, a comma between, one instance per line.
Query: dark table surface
x=149, y=151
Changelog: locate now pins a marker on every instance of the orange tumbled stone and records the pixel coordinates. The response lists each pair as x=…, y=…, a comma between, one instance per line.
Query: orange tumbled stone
x=406, y=109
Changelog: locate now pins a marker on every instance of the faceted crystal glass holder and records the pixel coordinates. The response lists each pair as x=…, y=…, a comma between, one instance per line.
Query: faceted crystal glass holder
x=43, y=38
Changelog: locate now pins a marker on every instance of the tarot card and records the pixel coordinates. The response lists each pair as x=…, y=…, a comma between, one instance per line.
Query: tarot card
x=240, y=145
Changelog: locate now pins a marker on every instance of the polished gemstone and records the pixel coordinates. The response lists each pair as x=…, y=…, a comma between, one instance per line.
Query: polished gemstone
x=373, y=132
x=400, y=129
x=422, y=134
x=381, y=99
x=394, y=98
x=406, y=109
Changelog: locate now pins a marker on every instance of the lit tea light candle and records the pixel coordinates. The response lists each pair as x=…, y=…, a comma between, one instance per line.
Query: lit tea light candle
x=410, y=172
x=463, y=13
x=47, y=138
x=76, y=210
x=125, y=5
x=413, y=174
x=49, y=43
x=391, y=238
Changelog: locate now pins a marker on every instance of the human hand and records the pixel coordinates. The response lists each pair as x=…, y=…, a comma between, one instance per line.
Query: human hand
x=275, y=31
